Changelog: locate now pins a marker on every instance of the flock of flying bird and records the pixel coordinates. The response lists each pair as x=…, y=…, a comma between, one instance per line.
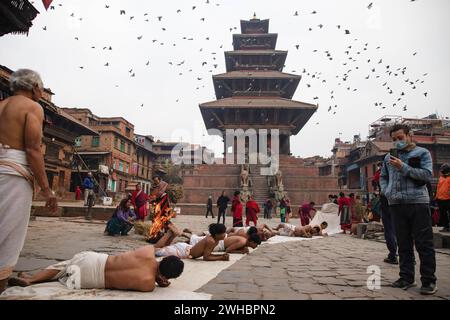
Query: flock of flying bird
x=375, y=68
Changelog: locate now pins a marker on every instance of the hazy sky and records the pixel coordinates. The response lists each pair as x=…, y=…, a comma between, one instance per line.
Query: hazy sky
x=170, y=112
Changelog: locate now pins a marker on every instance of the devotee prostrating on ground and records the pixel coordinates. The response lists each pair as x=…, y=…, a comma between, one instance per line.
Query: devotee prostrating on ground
x=139, y=200
x=133, y=270
x=289, y=230
x=122, y=220
x=286, y=229
x=232, y=243
x=251, y=212
x=201, y=248
x=262, y=230
x=21, y=164
x=404, y=176
x=241, y=231
x=317, y=230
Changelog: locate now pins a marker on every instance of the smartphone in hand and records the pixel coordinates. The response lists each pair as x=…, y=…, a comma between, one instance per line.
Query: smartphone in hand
x=394, y=152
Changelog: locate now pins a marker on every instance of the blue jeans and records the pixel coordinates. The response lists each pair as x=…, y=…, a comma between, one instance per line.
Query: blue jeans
x=389, y=228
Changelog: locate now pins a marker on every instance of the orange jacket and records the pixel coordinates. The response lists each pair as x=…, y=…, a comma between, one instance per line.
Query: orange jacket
x=443, y=188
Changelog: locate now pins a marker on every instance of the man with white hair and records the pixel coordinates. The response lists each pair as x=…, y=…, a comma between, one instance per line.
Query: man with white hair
x=21, y=164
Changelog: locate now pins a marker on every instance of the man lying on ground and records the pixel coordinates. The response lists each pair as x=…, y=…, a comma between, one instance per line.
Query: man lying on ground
x=204, y=247
x=289, y=230
x=317, y=230
x=133, y=270
x=305, y=232
x=232, y=243
x=262, y=230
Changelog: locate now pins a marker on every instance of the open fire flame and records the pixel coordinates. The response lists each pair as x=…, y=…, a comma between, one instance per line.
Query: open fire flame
x=160, y=220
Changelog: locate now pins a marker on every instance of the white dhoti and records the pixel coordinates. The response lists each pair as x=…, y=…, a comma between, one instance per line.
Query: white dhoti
x=16, y=195
x=196, y=239
x=86, y=270
x=180, y=250
x=287, y=229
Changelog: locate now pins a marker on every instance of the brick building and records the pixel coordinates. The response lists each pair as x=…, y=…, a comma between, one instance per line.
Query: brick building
x=145, y=159
x=111, y=155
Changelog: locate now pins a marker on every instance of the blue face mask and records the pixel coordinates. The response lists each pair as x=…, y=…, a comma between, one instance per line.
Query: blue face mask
x=400, y=144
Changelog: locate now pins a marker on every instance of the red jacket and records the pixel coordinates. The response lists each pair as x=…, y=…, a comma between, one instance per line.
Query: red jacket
x=236, y=207
x=252, y=207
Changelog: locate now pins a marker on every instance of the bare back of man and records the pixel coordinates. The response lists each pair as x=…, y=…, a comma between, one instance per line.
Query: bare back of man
x=236, y=244
x=205, y=247
x=133, y=270
x=239, y=232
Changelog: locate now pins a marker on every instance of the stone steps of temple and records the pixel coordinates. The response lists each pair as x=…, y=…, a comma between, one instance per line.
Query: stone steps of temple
x=260, y=189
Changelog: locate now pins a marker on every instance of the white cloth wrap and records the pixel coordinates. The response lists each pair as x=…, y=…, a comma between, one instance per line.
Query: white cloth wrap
x=86, y=270
x=180, y=249
x=196, y=239
x=287, y=229
x=16, y=196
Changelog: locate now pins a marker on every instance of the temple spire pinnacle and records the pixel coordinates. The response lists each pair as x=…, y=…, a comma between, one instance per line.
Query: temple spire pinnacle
x=254, y=16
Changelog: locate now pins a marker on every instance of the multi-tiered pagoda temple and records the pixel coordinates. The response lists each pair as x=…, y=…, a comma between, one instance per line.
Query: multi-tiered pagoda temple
x=255, y=92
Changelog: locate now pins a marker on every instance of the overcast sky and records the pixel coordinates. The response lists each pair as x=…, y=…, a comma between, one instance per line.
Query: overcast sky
x=411, y=34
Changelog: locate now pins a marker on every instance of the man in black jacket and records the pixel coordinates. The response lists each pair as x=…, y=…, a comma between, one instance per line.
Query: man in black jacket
x=222, y=204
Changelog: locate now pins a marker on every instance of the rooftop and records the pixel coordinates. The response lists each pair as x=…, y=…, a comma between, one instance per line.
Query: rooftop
x=257, y=102
x=257, y=74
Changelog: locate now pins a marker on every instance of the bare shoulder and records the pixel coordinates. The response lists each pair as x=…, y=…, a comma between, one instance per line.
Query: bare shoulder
x=34, y=107
x=210, y=241
x=145, y=252
x=27, y=105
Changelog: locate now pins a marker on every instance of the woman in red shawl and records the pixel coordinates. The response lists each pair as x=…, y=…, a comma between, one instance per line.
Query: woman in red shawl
x=236, y=209
x=139, y=200
x=251, y=212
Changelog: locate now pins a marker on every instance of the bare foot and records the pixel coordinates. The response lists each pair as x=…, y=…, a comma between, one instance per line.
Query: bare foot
x=16, y=281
